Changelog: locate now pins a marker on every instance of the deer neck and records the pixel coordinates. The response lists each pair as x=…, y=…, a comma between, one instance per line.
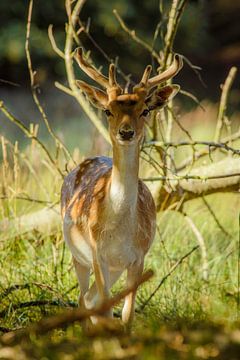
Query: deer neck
x=124, y=178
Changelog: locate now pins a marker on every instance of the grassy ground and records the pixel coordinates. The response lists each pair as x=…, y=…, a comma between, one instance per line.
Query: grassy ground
x=188, y=317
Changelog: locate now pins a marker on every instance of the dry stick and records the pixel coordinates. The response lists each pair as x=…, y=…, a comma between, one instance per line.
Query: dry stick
x=223, y=102
x=205, y=152
x=215, y=217
x=190, y=177
x=36, y=303
x=30, y=167
x=210, y=144
x=133, y=35
x=38, y=201
x=186, y=132
x=193, y=97
x=16, y=287
x=33, y=86
x=196, y=69
x=172, y=269
x=28, y=133
x=104, y=54
x=73, y=18
x=175, y=13
x=59, y=52
x=202, y=245
x=70, y=316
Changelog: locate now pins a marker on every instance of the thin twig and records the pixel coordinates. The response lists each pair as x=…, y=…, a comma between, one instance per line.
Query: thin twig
x=210, y=144
x=214, y=216
x=191, y=177
x=175, y=14
x=104, y=54
x=202, y=245
x=38, y=201
x=34, y=87
x=70, y=31
x=36, y=303
x=28, y=133
x=172, y=269
x=223, y=101
x=59, y=52
x=16, y=287
x=201, y=153
x=136, y=38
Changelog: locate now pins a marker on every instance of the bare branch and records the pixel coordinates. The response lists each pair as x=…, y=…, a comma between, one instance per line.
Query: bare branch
x=53, y=42
x=210, y=144
x=201, y=243
x=28, y=133
x=70, y=32
x=33, y=86
x=133, y=35
x=223, y=101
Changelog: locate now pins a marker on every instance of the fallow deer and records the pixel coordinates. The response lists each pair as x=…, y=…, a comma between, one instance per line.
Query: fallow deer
x=109, y=216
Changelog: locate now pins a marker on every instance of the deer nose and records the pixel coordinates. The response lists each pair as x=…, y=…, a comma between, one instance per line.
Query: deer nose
x=126, y=132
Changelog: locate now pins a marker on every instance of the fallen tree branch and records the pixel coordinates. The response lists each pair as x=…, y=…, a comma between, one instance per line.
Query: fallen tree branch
x=70, y=316
x=44, y=221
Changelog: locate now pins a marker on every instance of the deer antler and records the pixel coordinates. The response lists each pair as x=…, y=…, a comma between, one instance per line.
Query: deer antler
x=89, y=70
x=173, y=69
x=110, y=84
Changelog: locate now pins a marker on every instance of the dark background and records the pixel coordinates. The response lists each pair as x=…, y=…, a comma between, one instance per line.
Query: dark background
x=208, y=35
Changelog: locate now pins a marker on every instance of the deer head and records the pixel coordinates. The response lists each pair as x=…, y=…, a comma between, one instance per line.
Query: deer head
x=127, y=112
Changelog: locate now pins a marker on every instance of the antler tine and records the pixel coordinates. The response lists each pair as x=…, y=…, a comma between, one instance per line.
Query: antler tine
x=167, y=74
x=89, y=70
x=112, y=75
x=146, y=75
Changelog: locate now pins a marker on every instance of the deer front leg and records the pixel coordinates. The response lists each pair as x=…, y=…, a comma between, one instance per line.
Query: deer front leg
x=100, y=290
x=133, y=273
x=92, y=296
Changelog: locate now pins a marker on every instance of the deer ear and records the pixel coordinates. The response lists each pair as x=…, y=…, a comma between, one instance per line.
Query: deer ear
x=160, y=97
x=96, y=96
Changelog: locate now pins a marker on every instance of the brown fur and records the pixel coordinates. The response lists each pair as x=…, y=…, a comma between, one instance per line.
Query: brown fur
x=109, y=214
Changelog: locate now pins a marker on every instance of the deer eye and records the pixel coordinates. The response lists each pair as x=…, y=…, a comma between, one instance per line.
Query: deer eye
x=107, y=112
x=145, y=112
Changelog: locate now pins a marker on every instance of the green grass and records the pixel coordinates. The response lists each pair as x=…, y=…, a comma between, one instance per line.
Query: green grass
x=187, y=318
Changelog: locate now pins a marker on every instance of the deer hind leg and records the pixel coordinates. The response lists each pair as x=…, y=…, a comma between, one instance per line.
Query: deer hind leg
x=133, y=274
x=83, y=275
